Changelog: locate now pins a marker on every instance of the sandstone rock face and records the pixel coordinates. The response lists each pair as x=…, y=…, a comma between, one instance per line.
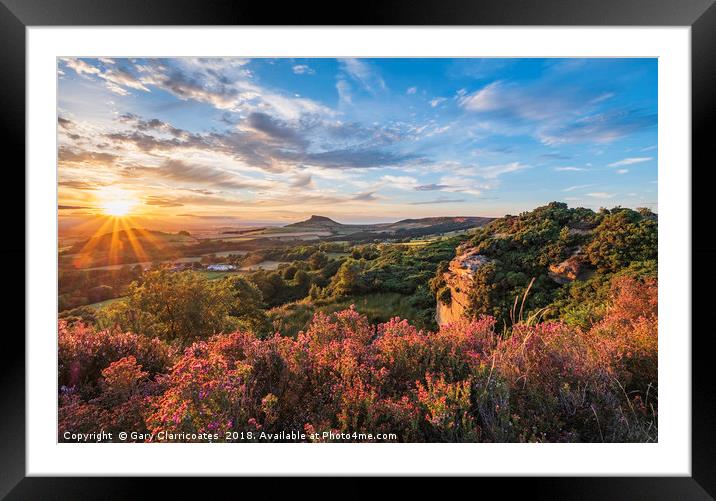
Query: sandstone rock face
x=458, y=279
x=573, y=268
x=566, y=271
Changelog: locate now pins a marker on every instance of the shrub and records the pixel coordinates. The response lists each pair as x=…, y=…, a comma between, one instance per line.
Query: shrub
x=84, y=352
x=549, y=381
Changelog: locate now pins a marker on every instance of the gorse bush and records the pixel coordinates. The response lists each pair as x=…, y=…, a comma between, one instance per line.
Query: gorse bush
x=467, y=381
x=519, y=248
x=623, y=237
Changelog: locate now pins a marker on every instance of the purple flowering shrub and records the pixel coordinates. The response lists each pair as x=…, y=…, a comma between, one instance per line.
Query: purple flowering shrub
x=465, y=382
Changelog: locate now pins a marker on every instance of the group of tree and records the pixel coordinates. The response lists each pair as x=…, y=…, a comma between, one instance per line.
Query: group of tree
x=80, y=287
x=181, y=307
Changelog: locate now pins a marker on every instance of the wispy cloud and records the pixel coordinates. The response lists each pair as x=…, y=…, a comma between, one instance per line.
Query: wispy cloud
x=599, y=127
x=400, y=182
x=578, y=187
x=363, y=73
x=368, y=196
x=630, y=161
x=602, y=97
x=117, y=79
x=494, y=171
x=180, y=171
x=224, y=83
x=490, y=97
x=438, y=201
x=431, y=187
x=553, y=114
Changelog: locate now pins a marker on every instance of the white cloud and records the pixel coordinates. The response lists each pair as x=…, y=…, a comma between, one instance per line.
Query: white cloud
x=81, y=67
x=364, y=74
x=222, y=82
x=569, y=168
x=630, y=161
x=303, y=69
x=345, y=96
x=435, y=102
x=602, y=97
x=459, y=184
x=494, y=171
x=554, y=114
x=411, y=90
x=400, y=182
x=116, y=79
x=601, y=194
x=484, y=99
x=622, y=171
x=578, y=187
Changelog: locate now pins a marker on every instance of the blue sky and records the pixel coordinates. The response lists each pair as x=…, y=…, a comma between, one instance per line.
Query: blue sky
x=204, y=141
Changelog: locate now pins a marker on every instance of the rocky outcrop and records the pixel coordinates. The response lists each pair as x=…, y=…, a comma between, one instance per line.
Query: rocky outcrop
x=575, y=267
x=458, y=280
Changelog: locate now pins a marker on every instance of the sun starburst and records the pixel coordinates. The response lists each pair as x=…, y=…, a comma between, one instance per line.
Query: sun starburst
x=116, y=201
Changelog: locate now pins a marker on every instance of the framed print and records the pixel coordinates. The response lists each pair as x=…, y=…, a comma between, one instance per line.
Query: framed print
x=454, y=240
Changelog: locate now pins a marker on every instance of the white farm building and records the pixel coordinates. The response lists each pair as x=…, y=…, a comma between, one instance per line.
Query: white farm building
x=221, y=267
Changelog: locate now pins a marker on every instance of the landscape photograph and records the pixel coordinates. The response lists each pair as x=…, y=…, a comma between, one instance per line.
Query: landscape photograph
x=357, y=250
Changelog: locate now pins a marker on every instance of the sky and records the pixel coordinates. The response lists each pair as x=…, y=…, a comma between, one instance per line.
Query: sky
x=186, y=142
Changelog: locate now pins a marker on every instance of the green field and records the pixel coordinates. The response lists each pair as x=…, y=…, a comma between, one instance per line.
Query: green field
x=379, y=307
x=102, y=304
x=215, y=275
x=337, y=255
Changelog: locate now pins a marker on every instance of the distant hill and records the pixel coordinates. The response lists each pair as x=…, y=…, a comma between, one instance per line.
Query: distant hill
x=326, y=222
x=405, y=228
x=317, y=222
x=467, y=222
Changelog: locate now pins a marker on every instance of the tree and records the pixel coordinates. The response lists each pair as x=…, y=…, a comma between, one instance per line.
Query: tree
x=289, y=272
x=347, y=280
x=623, y=237
x=318, y=260
x=179, y=307
x=302, y=284
x=247, y=305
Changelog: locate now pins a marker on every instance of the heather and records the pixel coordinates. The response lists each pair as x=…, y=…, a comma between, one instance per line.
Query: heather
x=469, y=381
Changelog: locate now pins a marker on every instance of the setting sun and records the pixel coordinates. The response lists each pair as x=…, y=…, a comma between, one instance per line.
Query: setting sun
x=116, y=202
x=117, y=207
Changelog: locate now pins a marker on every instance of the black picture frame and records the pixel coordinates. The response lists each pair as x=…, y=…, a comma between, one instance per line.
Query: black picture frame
x=700, y=15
